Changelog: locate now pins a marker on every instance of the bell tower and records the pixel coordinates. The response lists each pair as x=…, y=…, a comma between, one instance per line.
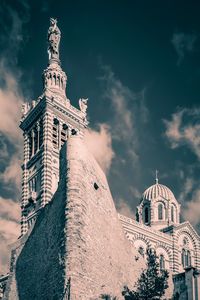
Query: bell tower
x=47, y=123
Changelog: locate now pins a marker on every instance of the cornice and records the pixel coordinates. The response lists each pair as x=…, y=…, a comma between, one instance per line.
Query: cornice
x=143, y=229
x=186, y=225
x=33, y=115
x=68, y=110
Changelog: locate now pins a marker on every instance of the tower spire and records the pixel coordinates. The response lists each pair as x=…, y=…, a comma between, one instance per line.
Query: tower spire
x=156, y=177
x=54, y=78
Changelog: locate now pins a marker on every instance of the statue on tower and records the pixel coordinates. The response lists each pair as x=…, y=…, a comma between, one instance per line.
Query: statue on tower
x=83, y=105
x=53, y=39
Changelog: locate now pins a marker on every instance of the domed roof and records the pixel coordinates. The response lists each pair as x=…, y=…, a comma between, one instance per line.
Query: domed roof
x=158, y=190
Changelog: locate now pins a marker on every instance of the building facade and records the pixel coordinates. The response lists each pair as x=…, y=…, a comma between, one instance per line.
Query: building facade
x=177, y=245
x=48, y=123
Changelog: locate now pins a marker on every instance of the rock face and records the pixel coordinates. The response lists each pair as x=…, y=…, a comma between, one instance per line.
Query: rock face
x=77, y=237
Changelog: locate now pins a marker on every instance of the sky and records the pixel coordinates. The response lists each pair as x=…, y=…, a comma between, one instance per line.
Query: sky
x=138, y=62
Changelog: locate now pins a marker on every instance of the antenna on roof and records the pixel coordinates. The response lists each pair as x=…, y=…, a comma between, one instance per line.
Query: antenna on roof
x=156, y=176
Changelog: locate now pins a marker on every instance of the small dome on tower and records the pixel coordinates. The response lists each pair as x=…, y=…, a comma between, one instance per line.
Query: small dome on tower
x=158, y=190
x=158, y=207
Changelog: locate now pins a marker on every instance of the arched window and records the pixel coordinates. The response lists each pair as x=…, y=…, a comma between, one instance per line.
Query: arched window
x=55, y=133
x=63, y=133
x=146, y=215
x=186, y=258
x=172, y=213
x=141, y=250
x=183, y=257
x=162, y=262
x=160, y=211
x=137, y=217
x=54, y=79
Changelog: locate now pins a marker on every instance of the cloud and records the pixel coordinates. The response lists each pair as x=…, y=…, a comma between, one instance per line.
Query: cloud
x=129, y=112
x=183, y=129
x=11, y=96
x=183, y=43
x=117, y=142
x=187, y=189
x=11, y=99
x=124, y=209
x=9, y=210
x=99, y=143
x=191, y=211
x=12, y=173
x=9, y=229
x=10, y=102
x=4, y=154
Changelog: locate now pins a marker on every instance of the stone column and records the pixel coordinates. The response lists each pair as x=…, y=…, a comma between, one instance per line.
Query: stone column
x=25, y=191
x=189, y=281
x=197, y=284
x=38, y=136
x=1, y=291
x=176, y=254
x=59, y=135
x=46, y=172
x=33, y=142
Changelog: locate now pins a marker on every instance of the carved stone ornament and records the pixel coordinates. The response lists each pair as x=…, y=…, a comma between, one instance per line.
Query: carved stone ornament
x=53, y=39
x=83, y=105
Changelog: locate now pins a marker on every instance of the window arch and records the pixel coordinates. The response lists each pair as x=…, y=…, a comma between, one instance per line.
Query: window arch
x=146, y=215
x=162, y=262
x=160, y=211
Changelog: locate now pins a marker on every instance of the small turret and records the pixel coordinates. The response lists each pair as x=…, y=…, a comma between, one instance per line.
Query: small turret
x=54, y=78
x=158, y=207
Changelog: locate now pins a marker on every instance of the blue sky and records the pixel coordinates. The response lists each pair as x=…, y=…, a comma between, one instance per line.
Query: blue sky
x=138, y=62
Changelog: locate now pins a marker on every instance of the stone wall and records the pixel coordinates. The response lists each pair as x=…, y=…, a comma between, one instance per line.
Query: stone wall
x=39, y=271
x=100, y=258
x=40, y=267
x=77, y=236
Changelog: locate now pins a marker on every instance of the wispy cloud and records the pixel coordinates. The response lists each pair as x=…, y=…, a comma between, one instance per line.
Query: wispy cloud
x=11, y=99
x=183, y=43
x=129, y=112
x=9, y=229
x=183, y=130
x=99, y=143
x=115, y=143
x=124, y=209
x=192, y=209
x=9, y=210
x=187, y=189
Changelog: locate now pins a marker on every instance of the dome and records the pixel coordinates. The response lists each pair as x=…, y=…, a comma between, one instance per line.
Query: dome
x=158, y=207
x=158, y=190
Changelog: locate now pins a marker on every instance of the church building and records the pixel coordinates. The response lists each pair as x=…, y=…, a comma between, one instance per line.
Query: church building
x=177, y=245
x=73, y=243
